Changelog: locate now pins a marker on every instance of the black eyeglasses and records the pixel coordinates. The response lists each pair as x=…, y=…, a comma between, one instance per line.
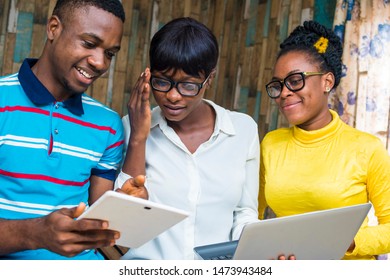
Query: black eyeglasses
x=184, y=88
x=293, y=82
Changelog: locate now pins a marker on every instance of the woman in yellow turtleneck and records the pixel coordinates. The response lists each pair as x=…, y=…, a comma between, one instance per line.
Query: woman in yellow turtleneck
x=320, y=162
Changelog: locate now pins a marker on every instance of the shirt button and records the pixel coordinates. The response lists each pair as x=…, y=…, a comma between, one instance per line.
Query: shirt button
x=57, y=106
x=56, y=131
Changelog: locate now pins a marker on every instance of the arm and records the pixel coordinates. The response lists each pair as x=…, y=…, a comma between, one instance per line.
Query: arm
x=137, y=127
x=246, y=211
x=140, y=118
x=261, y=199
x=57, y=232
x=374, y=240
x=98, y=186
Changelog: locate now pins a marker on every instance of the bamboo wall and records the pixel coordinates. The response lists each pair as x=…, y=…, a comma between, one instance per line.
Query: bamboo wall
x=249, y=32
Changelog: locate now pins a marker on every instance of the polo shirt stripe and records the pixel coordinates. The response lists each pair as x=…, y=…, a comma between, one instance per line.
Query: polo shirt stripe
x=31, y=208
x=109, y=165
x=12, y=77
x=34, y=205
x=82, y=123
x=10, y=83
x=27, y=142
x=22, y=139
x=90, y=101
x=24, y=109
x=75, y=154
x=33, y=143
x=24, y=210
x=75, y=149
x=117, y=144
x=43, y=178
x=57, y=115
x=25, y=145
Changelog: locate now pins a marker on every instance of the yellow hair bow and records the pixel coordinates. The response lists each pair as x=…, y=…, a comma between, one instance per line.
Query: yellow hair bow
x=321, y=45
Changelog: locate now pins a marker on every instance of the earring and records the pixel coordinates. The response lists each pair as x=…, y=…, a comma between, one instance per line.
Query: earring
x=327, y=90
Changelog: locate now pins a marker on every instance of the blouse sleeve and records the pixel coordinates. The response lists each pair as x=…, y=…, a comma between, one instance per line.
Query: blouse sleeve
x=375, y=240
x=246, y=211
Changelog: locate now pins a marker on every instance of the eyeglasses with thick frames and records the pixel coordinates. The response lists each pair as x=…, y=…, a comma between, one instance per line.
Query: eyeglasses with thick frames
x=294, y=82
x=184, y=88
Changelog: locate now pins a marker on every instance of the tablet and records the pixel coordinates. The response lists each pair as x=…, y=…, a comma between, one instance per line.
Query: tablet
x=138, y=220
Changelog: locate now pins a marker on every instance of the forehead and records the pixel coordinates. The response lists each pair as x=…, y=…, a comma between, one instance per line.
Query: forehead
x=294, y=61
x=177, y=74
x=92, y=20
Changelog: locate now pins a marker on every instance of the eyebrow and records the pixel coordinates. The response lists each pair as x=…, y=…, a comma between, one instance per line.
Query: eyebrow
x=289, y=73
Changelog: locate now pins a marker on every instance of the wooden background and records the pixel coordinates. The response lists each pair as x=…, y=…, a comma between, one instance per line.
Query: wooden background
x=249, y=32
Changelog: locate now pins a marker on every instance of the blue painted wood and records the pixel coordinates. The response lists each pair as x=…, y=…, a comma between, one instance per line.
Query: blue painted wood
x=252, y=22
x=134, y=36
x=24, y=32
x=243, y=100
x=267, y=19
x=274, y=116
x=324, y=11
x=256, y=112
x=283, y=31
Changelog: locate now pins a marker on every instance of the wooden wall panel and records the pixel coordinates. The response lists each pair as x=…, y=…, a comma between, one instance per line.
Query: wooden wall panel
x=248, y=32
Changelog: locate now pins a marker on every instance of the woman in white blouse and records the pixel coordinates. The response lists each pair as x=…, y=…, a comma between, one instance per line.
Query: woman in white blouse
x=196, y=155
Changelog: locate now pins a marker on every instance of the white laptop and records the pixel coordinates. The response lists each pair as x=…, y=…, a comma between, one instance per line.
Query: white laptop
x=138, y=220
x=319, y=235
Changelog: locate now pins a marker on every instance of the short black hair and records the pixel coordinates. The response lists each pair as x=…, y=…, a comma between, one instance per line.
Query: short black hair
x=320, y=43
x=64, y=8
x=184, y=44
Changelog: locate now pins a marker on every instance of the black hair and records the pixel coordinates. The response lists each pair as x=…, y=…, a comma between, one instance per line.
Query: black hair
x=320, y=43
x=65, y=8
x=184, y=44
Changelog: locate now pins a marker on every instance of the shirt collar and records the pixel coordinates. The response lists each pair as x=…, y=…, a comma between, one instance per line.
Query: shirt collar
x=39, y=94
x=223, y=121
x=319, y=136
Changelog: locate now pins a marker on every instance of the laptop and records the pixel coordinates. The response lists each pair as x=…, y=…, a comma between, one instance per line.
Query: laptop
x=319, y=235
x=138, y=220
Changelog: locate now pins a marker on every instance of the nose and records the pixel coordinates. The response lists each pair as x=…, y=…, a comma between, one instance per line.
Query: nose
x=285, y=92
x=99, y=61
x=173, y=95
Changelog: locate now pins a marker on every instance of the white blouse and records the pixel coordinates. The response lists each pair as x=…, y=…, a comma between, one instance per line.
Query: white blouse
x=218, y=184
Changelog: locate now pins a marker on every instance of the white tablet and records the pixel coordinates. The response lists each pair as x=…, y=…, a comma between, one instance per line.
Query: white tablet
x=138, y=220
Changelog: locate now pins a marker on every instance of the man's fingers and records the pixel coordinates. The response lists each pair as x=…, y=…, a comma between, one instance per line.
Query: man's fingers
x=79, y=210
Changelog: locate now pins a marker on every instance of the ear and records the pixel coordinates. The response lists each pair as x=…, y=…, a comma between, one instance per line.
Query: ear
x=211, y=77
x=53, y=27
x=328, y=82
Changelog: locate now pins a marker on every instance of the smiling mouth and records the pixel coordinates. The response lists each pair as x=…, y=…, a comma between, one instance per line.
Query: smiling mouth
x=85, y=74
x=290, y=105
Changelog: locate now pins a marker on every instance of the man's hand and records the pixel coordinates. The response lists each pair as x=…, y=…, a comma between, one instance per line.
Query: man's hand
x=135, y=187
x=62, y=234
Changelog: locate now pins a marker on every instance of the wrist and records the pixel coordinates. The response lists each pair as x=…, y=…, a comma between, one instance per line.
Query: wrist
x=33, y=236
x=136, y=141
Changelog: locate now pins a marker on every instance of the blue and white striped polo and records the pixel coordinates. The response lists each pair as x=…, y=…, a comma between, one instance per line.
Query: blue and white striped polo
x=49, y=150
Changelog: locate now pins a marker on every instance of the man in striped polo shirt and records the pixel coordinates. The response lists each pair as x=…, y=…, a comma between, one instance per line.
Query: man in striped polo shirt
x=58, y=146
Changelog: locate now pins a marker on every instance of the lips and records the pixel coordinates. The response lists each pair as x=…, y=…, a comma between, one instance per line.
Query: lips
x=85, y=73
x=289, y=105
x=173, y=110
x=174, y=107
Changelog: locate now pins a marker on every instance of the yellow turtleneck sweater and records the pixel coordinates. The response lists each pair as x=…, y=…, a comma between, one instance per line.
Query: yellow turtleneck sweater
x=303, y=171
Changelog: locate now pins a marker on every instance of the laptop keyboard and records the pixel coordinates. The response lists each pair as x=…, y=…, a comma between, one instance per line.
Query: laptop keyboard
x=224, y=257
x=217, y=251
